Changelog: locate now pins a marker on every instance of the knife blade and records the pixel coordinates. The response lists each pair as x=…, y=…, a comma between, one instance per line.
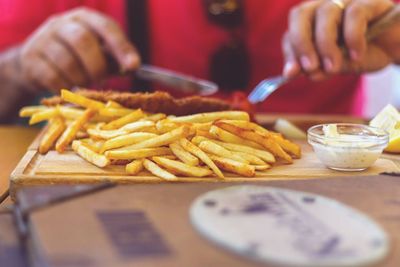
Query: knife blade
x=185, y=83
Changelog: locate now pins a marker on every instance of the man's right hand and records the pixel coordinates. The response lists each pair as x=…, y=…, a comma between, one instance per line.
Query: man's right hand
x=75, y=48
x=311, y=43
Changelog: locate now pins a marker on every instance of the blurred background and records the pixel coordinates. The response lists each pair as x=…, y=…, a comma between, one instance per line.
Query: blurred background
x=381, y=88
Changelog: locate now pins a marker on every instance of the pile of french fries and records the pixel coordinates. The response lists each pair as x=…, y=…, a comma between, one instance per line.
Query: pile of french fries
x=199, y=145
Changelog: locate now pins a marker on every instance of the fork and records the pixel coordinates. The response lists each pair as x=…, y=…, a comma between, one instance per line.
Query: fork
x=266, y=87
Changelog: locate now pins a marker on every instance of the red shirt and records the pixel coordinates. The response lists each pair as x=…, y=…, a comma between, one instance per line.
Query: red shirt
x=182, y=39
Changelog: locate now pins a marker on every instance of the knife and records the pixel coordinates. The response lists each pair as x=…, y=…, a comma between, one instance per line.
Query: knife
x=183, y=82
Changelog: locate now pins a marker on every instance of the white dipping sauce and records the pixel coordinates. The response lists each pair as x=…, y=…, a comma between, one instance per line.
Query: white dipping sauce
x=347, y=158
x=346, y=152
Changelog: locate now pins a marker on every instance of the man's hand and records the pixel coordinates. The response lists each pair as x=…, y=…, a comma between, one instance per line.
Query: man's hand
x=75, y=48
x=311, y=44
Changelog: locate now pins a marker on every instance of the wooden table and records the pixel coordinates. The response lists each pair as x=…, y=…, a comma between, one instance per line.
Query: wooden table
x=14, y=141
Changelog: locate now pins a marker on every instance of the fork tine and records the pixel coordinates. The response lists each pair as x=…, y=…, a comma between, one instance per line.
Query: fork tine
x=257, y=92
x=265, y=88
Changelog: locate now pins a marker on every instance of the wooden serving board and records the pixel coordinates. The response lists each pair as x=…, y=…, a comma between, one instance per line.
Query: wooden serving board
x=68, y=168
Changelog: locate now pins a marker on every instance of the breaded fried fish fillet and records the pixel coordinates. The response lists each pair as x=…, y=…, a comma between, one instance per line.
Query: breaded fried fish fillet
x=157, y=102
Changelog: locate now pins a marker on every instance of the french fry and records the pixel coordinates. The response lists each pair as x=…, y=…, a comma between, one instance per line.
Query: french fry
x=91, y=125
x=94, y=145
x=118, y=123
x=46, y=114
x=70, y=113
x=263, y=140
x=193, y=149
x=252, y=159
x=262, y=167
x=182, y=168
x=151, y=129
x=138, y=153
x=89, y=155
x=69, y=134
x=173, y=157
x=100, y=118
x=115, y=112
x=128, y=128
x=212, y=116
x=287, y=145
x=234, y=166
x=262, y=154
x=157, y=171
x=81, y=135
x=134, y=167
x=30, y=110
x=113, y=104
x=125, y=140
x=82, y=101
x=202, y=126
x=155, y=117
x=166, y=125
x=164, y=139
x=199, y=138
x=215, y=149
x=197, y=145
x=55, y=129
x=183, y=155
x=204, y=134
x=94, y=126
x=136, y=126
x=228, y=137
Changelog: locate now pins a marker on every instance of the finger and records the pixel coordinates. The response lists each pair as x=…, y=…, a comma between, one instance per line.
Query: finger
x=389, y=41
x=301, y=35
x=318, y=76
x=109, y=32
x=375, y=59
x=41, y=72
x=86, y=48
x=291, y=68
x=355, y=27
x=59, y=55
x=327, y=24
x=358, y=15
x=45, y=30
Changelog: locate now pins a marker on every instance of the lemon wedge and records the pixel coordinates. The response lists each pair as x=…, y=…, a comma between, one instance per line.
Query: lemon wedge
x=394, y=142
x=389, y=120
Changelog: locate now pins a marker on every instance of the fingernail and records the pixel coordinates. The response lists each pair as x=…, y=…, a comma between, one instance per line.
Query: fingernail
x=328, y=65
x=306, y=63
x=354, y=55
x=288, y=68
x=131, y=61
